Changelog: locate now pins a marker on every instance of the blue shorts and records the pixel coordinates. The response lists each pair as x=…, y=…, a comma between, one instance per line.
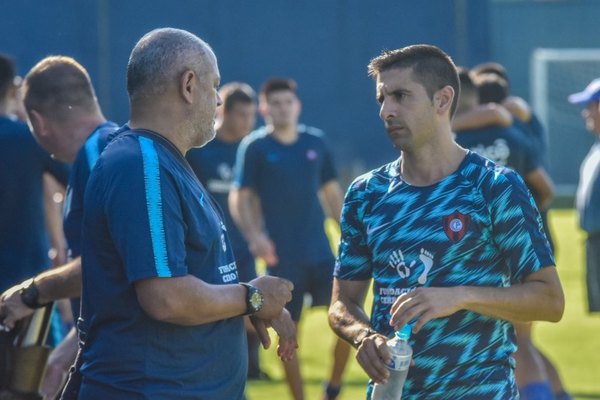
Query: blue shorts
x=313, y=278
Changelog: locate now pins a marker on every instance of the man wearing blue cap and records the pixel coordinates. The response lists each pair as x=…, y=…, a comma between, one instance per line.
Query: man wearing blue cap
x=588, y=191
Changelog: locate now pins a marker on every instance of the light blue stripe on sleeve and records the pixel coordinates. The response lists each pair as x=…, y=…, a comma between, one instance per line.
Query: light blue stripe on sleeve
x=154, y=203
x=92, y=150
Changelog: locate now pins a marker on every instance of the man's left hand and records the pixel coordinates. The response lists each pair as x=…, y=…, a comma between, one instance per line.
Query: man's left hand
x=286, y=330
x=12, y=308
x=425, y=304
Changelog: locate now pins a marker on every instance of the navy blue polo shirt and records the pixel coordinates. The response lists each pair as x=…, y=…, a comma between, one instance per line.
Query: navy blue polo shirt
x=23, y=236
x=287, y=178
x=536, y=135
x=214, y=165
x=146, y=215
x=73, y=207
x=80, y=172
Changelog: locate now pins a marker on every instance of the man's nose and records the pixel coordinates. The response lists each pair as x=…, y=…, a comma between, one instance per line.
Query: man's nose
x=387, y=111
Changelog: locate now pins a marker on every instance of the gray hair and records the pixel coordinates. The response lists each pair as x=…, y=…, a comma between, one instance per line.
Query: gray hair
x=160, y=56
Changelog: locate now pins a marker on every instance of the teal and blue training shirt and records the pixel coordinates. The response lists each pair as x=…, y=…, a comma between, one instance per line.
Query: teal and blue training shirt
x=477, y=227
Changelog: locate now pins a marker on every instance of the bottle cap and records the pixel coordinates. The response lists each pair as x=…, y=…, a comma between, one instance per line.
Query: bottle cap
x=404, y=333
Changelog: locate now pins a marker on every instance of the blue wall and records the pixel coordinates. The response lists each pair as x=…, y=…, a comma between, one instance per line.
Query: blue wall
x=324, y=45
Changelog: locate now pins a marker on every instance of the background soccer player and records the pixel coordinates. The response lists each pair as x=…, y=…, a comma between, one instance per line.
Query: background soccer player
x=283, y=170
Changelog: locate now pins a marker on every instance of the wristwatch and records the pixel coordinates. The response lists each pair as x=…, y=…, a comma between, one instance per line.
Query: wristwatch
x=30, y=294
x=362, y=335
x=254, y=299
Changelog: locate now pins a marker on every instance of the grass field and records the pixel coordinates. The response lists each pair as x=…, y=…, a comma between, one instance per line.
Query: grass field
x=573, y=344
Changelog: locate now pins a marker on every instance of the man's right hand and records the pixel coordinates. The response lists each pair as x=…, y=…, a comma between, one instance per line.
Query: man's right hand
x=373, y=355
x=276, y=293
x=262, y=246
x=12, y=308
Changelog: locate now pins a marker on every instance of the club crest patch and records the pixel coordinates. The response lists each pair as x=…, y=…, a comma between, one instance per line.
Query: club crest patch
x=456, y=225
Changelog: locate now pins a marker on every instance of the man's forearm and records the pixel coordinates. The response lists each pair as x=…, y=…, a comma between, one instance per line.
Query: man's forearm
x=60, y=283
x=187, y=300
x=246, y=212
x=332, y=199
x=348, y=321
x=538, y=298
x=347, y=317
x=528, y=301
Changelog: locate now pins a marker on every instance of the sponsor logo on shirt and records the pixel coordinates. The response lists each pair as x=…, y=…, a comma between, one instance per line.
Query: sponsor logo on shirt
x=311, y=155
x=223, y=241
x=273, y=157
x=498, y=152
x=228, y=272
x=404, y=270
x=397, y=262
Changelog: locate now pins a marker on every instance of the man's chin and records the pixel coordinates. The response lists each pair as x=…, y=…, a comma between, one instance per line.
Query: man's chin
x=204, y=139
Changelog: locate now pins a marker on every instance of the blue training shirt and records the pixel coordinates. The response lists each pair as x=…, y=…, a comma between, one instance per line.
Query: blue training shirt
x=73, y=206
x=536, y=135
x=476, y=227
x=146, y=216
x=23, y=235
x=287, y=179
x=80, y=172
x=214, y=165
x=506, y=147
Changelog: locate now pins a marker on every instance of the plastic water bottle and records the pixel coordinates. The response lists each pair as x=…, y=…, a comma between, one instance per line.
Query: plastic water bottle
x=401, y=354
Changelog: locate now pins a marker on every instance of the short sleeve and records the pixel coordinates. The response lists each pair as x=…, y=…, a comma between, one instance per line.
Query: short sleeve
x=517, y=226
x=144, y=215
x=328, y=171
x=247, y=164
x=354, y=257
x=531, y=157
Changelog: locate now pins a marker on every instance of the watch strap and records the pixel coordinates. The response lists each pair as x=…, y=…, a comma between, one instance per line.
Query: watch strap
x=30, y=295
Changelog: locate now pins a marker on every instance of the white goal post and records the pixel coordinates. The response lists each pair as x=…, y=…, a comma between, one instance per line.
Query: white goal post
x=554, y=74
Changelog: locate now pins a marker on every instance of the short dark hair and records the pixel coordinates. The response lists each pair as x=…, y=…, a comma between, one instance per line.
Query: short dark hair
x=159, y=56
x=8, y=71
x=56, y=84
x=236, y=93
x=278, y=84
x=490, y=68
x=493, y=68
x=431, y=67
x=492, y=88
x=468, y=90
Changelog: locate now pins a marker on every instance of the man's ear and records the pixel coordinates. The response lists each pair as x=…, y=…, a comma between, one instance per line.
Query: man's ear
x=37, y=123
x=187, y=85
x=262, y=108
x=442, y=99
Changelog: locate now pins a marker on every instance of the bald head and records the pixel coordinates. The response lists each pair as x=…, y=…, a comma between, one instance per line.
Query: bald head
x=160, y=56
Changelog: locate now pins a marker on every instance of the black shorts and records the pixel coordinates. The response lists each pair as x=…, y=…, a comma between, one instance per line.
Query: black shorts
x=315, y=279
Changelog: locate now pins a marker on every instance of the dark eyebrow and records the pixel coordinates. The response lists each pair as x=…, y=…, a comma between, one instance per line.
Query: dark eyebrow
x=395, y=93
